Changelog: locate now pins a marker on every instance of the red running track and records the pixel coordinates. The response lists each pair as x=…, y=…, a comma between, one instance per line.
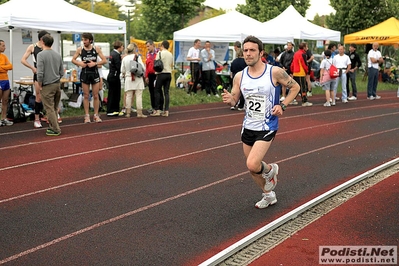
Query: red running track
x=172, y=191
x=368, y=219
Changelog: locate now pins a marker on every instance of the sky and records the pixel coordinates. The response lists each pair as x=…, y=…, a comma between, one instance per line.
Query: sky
x=322, y=7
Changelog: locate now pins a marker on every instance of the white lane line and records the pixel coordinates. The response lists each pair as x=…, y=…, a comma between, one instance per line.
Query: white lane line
x=166, y=123
x=125, y=215
x=177, y=136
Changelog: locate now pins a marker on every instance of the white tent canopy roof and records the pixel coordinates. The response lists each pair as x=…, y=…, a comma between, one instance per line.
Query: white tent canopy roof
x=56, y=15
x=229, y=27
x=299, y=27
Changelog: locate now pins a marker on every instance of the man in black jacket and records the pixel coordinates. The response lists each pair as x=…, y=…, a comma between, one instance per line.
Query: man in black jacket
x=351, y=74
x=285, y=62
x=114, y=81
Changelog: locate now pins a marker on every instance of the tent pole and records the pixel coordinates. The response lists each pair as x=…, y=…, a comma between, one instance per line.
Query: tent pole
x=11, y=60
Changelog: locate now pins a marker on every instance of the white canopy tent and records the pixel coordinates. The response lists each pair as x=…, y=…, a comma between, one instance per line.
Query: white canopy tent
x=55, y=16
x=230, y=27
x=291, y=22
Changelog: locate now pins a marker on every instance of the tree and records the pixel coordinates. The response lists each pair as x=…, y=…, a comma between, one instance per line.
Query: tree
x=264, y=10
x=3, y=1
x=106, y=8
x=361, y=14
x=161, y=18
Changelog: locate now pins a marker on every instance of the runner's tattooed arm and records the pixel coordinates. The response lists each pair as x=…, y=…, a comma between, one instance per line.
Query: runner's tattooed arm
x=281, y=77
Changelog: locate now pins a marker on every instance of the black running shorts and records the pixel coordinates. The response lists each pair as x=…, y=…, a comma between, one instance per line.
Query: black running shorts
x=249, y=137
x=89, y=77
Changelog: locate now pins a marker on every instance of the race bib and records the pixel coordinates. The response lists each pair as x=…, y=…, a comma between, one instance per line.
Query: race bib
x=256, y=106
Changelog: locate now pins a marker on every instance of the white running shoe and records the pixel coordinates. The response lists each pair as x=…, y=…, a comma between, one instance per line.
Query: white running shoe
x=268, y=199
x=271, y=177
x=307, y=104
x=282, y=98
x=6, y=122
x=352, y=98
x=37, y=124
x=377, y=97
x=327, y=104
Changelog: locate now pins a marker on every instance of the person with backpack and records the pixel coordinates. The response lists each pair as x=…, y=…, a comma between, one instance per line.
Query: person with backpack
x=5, y=90
x=327, y=83
x=134, y=81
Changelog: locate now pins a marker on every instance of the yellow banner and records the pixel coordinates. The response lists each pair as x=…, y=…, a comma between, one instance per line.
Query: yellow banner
x=143, y=49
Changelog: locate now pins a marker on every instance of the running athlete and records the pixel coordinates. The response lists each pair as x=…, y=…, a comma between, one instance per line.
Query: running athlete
x=89, y=74
x=33, y=50
x=260, y=84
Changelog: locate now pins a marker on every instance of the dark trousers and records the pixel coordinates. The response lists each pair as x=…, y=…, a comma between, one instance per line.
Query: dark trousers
x=351, y=76
x=114, y=93
x=304, y=87
x=209, y=79
x=372, y=82
x=195, y=77
x=151, y=88
x=163, y=81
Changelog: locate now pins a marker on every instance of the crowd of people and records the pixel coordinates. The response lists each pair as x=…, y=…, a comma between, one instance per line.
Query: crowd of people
x=89, y=58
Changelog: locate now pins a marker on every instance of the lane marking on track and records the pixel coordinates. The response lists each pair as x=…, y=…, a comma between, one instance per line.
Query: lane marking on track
x=153, y=205
x=166, y=123
x=125, y=215
x=178, y=136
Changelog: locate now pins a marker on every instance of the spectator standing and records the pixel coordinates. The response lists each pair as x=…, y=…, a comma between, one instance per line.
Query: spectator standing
x=114, y=80
x=89, y=74
x=134, y=86
x=50, y=69
x=343, y=63
x=299, y=68
x=327, y=83
x=208, y=69
x=163, y=81
x=5, y=89
x=150, y=72
x=309, y=60
x=260, y=82
x=193, y=56
x=285, y=61
x=374, y=58
x=351, y=74
x=238, y=65
x=236, y=47
x=34, y=50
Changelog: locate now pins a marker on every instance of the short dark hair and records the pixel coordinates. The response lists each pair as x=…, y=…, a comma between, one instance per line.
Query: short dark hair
x=117, y=44
x=88, y=35
x=353, y=45
x=165, y=44
x=196, y=40
x=41, y=34
x=237, y=44
x=253, y=39
x=327, y=53
x=150, y=42
x=48, y=40
x=331, y=45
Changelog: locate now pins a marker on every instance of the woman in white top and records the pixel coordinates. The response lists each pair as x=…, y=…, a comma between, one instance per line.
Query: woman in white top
x=327, y=83
x=133, y=85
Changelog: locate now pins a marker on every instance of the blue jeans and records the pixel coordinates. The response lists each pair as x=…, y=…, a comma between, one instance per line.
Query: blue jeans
x=341, y=79
x=372, y=82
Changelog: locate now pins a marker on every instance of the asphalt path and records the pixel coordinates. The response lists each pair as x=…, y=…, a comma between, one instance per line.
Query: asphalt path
x=172, y=191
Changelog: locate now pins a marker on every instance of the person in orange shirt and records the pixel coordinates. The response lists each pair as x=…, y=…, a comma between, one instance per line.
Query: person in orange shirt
x=299, y=68
x=5, y=65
